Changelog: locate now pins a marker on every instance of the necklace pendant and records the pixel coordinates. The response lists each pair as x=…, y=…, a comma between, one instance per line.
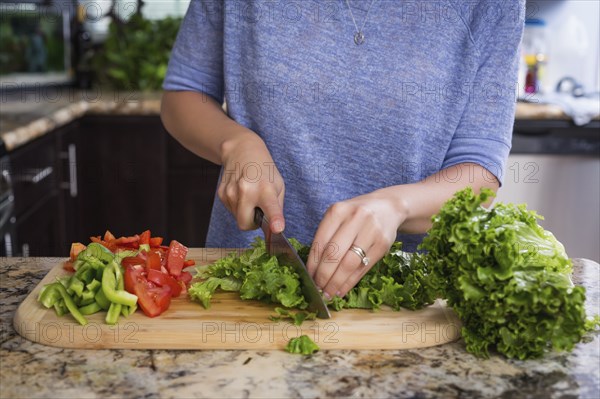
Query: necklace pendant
x=359, y=38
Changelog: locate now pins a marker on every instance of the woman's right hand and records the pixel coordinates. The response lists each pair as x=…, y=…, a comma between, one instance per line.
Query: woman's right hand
x=250, y=179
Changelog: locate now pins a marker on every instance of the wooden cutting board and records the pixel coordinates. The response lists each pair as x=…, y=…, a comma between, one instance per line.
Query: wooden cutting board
x=232, y=323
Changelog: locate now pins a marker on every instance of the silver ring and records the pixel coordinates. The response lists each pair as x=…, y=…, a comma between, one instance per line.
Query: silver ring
x=362, y=255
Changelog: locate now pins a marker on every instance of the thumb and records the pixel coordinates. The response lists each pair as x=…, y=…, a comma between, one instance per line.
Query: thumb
x=274, y=213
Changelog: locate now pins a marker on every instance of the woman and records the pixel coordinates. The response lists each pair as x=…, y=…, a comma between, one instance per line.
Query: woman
x=365, y=116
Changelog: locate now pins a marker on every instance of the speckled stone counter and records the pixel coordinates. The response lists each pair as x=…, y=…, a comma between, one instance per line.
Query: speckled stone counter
x=31, y=370
x=25, y=118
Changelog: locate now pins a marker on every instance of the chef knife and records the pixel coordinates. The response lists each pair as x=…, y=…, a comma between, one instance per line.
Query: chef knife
x=278, y=245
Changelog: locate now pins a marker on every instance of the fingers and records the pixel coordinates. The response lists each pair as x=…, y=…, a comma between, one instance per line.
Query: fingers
x=334, y=266
x=322, y=247
x=340, y=241
x=328, y=265
x=343, y=283
x=273, y=209
x=242, y=196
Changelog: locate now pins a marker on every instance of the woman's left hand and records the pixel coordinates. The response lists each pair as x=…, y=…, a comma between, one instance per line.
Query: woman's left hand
x=369, y=222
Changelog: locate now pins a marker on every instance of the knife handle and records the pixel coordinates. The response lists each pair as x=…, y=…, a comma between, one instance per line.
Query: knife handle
x=259, y=216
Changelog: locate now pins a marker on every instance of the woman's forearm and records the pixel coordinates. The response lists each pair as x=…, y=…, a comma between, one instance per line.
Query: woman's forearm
x=199, y=123
x=420, y=201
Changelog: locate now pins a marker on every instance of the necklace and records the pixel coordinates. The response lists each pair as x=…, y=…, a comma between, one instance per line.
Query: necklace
x=359, y=36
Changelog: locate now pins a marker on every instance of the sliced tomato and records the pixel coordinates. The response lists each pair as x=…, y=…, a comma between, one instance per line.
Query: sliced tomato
x=132, y=261
x=145, y=238
x=161, y=279
x=76, y=248
x=156, y=242
x=185, y=277
x=161, y=297
x=108, y=245
x=189, y=262
x=108, y=236
x=177, y=254
x=152, y=300
x=153, y=261
x=68, y=266
x=128, y=240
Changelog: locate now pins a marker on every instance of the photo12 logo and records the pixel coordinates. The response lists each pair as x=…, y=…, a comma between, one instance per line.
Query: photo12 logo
x=55, y=333
x=262, y=333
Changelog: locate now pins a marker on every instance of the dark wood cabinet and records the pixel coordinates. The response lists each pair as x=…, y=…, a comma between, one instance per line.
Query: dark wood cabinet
x=70, y=206
x=121, y=173
x=37, y=220
x=191, y=185
x=37, y=230
x=121, y=167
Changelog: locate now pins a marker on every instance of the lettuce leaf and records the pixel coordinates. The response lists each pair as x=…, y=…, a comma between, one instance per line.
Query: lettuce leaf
x=296, y=318
x=398, y=280
x=302, y=345
x=255, y=274
x=507, y=278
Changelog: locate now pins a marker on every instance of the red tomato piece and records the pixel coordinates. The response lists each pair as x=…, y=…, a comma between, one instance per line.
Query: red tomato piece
x=151, y=299
x=162, y=280
x=68, y=266
x=108, y=236
x=108, y=245
x=145, y=238
x=185, y=277
x=127, y=240
x=189, y=262
x=177, y=254
x=132, y=261
x=76, y=248
x=156, y=241
x=153, y=261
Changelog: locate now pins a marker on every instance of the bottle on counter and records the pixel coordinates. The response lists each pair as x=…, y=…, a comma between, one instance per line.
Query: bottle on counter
x=535, y=56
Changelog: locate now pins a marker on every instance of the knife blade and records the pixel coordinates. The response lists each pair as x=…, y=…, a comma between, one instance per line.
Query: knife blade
x=278, y=245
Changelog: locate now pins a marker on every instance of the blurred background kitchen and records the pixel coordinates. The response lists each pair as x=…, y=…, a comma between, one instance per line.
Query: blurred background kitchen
x=82, y=148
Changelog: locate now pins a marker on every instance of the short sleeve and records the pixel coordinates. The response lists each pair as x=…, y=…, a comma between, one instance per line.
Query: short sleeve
x=196, y=62
x=484, y=133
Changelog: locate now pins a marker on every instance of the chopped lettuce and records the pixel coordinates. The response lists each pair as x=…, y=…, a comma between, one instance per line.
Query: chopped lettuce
x=302, y=345
x=255, y=274
x=398, y=280
x=297, y=318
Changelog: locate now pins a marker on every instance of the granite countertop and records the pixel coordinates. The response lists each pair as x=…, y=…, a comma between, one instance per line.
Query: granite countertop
x=33, y=370
x=26, y=116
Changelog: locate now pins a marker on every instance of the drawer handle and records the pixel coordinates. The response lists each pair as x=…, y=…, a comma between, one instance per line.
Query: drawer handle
x=71, y=156
x=35, y=176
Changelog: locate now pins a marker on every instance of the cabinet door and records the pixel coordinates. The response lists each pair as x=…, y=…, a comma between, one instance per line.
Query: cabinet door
x=70, y=207
x=192, y=183
x=37, y=230
x=38, y=224
x=121, y=166
x=34, y=174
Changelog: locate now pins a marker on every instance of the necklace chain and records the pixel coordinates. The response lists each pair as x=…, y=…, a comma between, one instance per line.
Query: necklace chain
x=359, y=36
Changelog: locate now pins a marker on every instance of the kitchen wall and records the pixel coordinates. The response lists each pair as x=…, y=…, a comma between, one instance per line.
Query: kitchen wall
x=573, y=35
x=155, y=9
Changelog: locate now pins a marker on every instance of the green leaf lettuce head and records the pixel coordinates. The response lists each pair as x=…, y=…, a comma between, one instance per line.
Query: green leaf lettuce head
x=506, y=277
x=302, y=345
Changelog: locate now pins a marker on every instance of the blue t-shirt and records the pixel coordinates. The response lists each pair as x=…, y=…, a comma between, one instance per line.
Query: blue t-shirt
x=433, y=85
